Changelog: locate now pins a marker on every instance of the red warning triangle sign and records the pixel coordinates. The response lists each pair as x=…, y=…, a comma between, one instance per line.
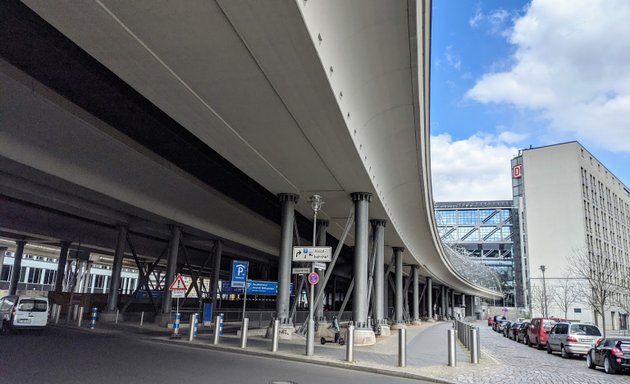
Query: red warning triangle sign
x=178, y=284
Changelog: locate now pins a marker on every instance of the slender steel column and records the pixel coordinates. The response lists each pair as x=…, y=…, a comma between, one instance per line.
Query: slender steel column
x=399, y=284
x=416, y=293
x=453, y=303
x=17, y=266
x=112, y=298
x=214, y=289
x=288, y=201
x=321, y=241
x=379, y=271
x=359, y=295
x=171, y=268
x=443, y=301
x=429, y=294
x=61, y=265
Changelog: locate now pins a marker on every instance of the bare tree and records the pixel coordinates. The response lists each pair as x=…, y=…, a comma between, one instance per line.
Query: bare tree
x=595, y=271
x=540, y=299
x=566, y=294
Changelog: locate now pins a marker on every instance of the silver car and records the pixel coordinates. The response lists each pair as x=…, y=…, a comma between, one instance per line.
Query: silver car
x=572, y=338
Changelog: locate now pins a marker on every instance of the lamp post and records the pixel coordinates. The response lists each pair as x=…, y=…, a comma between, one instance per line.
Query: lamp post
x=316, y=204
x=545, y=310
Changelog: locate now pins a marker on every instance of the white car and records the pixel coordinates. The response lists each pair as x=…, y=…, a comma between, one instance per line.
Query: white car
x=23, y=312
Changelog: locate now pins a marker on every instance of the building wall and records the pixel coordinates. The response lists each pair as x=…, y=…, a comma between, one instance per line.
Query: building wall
x=558, y=205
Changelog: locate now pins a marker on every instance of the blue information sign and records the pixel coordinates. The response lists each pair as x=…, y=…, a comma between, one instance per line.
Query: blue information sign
x=265, y=288
x=239, y=273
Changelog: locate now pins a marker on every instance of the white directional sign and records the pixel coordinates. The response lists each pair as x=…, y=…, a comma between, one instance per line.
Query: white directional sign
x=312, y=254
x=301, y=271
x=319, y=265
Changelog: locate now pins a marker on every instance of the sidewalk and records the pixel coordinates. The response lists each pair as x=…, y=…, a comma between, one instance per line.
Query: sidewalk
x=427, y=351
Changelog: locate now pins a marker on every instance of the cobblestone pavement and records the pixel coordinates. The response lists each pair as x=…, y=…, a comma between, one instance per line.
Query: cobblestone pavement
x=518, y=363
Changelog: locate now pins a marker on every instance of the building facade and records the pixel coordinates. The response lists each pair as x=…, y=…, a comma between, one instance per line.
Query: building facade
x=568, y=204
x=484, y=230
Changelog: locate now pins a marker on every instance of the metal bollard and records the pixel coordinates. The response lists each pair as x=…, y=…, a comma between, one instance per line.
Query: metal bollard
x=217, y=332
x=175, y=334
x=350, y=344
x=402, y=347
x=117, y=312
x=93, y=318
x=196, y=329
x=57, y=314
x=274, y=336
x=80, y=317
x=244, y=326
x=141, y=318
x=191, y=331
x=474, y=354
x=76, y=311
x=452, y=355
x=221, y=324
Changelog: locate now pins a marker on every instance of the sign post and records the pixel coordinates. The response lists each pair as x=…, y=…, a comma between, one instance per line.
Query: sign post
x=178, y=289
x=240, y=271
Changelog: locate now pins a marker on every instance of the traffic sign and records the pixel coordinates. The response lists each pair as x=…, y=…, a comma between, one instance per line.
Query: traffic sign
x=310, y=254
x=255, y=287
x=239, y=273
x=301, y=271
x=313, y=278
x=319, y=265
x=178, y=287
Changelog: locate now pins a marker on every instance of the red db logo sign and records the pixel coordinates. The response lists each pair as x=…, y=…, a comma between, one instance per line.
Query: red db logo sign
x=517, y=171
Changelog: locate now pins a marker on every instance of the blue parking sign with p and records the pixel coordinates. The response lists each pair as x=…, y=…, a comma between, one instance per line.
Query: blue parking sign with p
x=239, y=273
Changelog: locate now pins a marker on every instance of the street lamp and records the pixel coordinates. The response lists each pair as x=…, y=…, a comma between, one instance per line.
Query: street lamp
x=316, y=204
x=545, y=310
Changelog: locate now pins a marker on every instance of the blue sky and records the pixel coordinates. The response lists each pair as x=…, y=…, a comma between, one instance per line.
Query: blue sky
x=509, y=74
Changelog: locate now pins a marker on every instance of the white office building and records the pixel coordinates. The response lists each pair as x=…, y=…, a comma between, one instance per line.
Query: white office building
x=570, y=203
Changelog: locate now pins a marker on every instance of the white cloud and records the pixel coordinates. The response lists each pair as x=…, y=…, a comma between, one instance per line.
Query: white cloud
x=570, y=66
x=453, y=59
x=476, y=168
x=476, y=19
x=494, y=21
x=512, y=137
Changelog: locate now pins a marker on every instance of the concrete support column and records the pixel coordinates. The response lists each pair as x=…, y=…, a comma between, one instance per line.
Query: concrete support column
x=17, y=267
x=288, y=201
x=86, y=277
x=364, y=335
x=321, y=242
x=378, y=227
x=399, y=320
x=61, y=265
x=429, y=295
x=416, y=294
x=112, y=299
x=171, y=269
x=443, y=301
x=453, y=304
x=3, y=250
x=214, y=286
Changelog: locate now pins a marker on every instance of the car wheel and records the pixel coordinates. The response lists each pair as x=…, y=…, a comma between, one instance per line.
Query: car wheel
x=549, y=351
x=528, y=342
x=538, y=345
x=322, y=340
x=608, y=367
x=589, y=361
x=564, y=353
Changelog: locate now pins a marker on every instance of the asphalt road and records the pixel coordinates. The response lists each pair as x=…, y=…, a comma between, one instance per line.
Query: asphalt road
x=67, y=356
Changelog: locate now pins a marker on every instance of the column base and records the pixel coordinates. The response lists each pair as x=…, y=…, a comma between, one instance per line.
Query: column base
x=397, y=326
x=285, y=332
x=385, y=330
x=110, y=317
x=363, y=337
x=416, y=322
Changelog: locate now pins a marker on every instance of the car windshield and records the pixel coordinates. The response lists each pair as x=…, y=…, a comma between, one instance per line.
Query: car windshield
x=547, y=324
x=585, y=329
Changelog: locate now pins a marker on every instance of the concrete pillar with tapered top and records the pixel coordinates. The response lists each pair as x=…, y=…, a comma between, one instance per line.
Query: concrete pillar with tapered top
x=112, y=299
x=429, y=295
x=416, y=295
x=61, y=265
x=363, y=334
x=17, y=266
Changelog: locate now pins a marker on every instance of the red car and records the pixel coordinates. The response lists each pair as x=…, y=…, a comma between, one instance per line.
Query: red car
x=538, y=331
x=490, y=321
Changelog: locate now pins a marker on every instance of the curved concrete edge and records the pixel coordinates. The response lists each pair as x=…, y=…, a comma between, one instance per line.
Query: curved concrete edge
x=304, y=359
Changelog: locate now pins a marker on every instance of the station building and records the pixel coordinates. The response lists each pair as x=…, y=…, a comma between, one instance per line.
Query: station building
x=568, y=203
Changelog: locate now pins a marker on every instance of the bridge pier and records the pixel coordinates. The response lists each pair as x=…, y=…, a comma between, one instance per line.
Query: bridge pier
x=399, y=322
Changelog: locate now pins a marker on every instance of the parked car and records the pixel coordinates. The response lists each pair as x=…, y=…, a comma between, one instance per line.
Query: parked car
x=521, y=333
x=511, y=334
x=572, y=338
x=23, y=312
x=490, y=321
x=612, y=353
x=538, y=331
x=498, y=326
x=496, y=322
x=506, y=328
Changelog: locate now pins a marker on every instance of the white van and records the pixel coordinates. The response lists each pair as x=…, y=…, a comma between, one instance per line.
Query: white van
x=23, y=312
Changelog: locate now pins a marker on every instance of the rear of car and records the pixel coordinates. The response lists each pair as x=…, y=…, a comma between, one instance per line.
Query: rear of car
x=538, y=331
x=23, y=312
x=581, y=337
x=612, y=353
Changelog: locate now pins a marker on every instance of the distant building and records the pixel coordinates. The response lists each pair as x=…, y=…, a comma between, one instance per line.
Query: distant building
x=568, y=202
x=485, y=230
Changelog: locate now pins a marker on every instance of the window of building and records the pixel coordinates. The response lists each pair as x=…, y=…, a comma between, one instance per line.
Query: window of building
x=577, y=310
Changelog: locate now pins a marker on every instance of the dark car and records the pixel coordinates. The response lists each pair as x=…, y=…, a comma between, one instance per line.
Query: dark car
x=506, y=328
x=612, y=353
x=521, y=333
x=498, y=326
x=511, y=334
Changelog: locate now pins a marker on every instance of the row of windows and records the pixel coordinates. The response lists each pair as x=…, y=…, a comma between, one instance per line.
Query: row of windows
x=474, y=216
x=475, y=234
